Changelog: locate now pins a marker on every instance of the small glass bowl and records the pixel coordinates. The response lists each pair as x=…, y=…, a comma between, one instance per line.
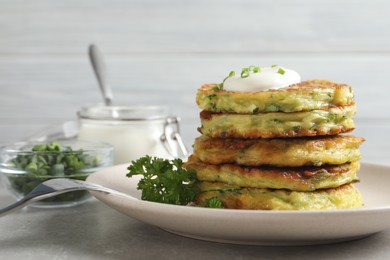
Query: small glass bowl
x=23, y=169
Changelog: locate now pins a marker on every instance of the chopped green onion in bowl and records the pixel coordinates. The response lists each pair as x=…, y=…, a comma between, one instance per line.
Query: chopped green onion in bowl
x=25, y=165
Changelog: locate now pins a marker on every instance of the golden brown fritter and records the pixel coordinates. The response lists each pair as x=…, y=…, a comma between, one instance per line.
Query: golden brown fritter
x=332, y=121
x=304, y=96
x=292, y=152
x=343, y=197
x=292, y=178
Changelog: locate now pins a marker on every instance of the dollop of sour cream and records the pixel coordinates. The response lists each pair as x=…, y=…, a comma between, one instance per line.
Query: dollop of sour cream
x=268, y=78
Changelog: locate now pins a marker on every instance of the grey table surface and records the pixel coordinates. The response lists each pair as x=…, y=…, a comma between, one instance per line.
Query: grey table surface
x=160, y=52
x=94, y=231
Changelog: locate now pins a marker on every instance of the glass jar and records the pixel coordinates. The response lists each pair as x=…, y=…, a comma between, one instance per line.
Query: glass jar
x=133, y=131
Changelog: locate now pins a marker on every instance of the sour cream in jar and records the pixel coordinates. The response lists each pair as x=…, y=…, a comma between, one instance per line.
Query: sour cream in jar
x=133, y=131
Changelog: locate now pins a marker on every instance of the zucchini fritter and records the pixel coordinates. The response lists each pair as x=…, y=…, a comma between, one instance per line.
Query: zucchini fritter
x=292, y=152
x=332, y=121
x=298, y=178
x=343, y=197
x=304, y=96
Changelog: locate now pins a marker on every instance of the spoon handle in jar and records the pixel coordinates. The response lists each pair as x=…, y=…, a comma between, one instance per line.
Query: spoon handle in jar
x=100, y=70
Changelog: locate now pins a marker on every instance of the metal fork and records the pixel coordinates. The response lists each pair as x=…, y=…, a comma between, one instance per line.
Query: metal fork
x=53, y=188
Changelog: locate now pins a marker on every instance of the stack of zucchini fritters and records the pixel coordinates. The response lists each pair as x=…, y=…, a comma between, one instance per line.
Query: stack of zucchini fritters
x=278, y=149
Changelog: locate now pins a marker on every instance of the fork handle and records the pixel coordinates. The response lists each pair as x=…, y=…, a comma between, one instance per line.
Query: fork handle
x=39, y=193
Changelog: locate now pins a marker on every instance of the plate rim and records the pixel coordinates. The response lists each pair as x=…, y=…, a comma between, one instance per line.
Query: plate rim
x=144, y=210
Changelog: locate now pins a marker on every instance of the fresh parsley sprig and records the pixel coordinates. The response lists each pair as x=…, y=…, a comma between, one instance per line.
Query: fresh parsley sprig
x=164, y=181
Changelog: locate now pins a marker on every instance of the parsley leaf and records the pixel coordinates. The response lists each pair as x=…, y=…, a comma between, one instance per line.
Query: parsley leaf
x=214, y=202
x=164, y=181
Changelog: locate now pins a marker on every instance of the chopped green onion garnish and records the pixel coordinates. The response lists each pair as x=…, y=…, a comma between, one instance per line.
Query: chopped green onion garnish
x=245, y=73
x=254, y=69
x=281, y=71
x=220, y=86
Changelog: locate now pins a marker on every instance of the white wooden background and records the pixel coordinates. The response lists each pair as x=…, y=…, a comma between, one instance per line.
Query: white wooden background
x=160, y=52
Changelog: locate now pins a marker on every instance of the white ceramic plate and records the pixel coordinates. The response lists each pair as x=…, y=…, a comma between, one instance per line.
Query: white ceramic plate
x=257, y=227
